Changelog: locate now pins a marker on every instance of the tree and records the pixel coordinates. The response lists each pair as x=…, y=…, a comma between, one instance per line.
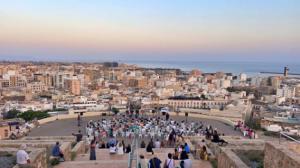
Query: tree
x=12, y=114
x=115, y=110
x=31, y=115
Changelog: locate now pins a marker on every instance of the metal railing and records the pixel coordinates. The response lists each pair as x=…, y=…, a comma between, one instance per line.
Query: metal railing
x=133, y=155
x=283, y=134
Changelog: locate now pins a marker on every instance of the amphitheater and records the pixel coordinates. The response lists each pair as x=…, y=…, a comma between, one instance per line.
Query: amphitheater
x=237, y=154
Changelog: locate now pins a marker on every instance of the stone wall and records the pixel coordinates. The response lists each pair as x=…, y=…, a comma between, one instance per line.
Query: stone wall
x=228, y=159
x=48, y=145
x=50, y=138
x=279, y=155
x=67, y=116
x=37, y=156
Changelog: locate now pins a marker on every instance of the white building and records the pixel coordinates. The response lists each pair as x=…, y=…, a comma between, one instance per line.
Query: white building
x=285, y=91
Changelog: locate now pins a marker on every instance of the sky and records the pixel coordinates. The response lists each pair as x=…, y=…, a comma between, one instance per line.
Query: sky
x=148, y=30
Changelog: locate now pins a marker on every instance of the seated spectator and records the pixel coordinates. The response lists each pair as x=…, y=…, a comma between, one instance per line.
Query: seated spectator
x=120, y=149
x=203, y=153
x=128, y=148
x=157, y=144
x=176, y=154
x=112, y=149
x=238, y=125
x=187, y=148
x=150, y=147
x=23, y=160
x=143, y=145
x=112, y=141
x=154, y=162
x=185, y=161
x=56, y=152
x=217, y=139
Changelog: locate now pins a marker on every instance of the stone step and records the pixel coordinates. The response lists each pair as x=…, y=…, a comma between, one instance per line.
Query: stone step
x=94, y=164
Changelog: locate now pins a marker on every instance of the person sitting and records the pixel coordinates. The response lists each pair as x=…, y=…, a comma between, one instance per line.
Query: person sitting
x=142, y=162
x=217, y=139
x=157, y=144
x=120, y=149
x=23, y=159
x=187, y=148
x=112, y=141
x=112, y=149
x=56, y=152
x=203, y=153
x=176, y=154
x=150, y=147
x=185, y=161
x=238, y=125
x=143, y=145
x=128, y=148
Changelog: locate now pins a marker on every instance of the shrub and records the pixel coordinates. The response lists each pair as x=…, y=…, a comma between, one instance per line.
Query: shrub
x=31, y=115
x=11, y=114
x=54, y=161
x=115, y=110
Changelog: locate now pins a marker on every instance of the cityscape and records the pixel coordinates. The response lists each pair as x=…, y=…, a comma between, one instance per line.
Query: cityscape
x=143, y=84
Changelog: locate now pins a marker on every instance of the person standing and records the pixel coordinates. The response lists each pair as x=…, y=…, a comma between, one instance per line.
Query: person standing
x=154, y=162
x=93, y=150
x=23, y=159
x=142, y=162
x=78, y=136
x=78, y=120
x=169, y=163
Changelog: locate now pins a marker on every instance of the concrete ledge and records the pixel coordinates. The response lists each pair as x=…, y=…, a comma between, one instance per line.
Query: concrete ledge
x=68, y=116
x=37, y=156
x=79, y=148
x=50, y=138
x=228, y=159
x=279, y=155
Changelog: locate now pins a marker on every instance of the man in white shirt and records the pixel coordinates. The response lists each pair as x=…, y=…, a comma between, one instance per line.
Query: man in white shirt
x=157, y=144
x=23, y=157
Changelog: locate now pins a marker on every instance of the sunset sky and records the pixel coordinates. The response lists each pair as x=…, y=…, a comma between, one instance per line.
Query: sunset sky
x=200, y=30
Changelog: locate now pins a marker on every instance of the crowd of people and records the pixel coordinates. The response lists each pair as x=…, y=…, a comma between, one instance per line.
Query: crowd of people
x=247, y=132
x=152, y=132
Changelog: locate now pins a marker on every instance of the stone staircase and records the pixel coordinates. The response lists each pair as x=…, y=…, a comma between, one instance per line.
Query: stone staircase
x=105, y=160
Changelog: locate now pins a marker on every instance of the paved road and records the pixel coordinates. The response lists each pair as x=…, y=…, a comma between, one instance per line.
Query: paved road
x=68, y=126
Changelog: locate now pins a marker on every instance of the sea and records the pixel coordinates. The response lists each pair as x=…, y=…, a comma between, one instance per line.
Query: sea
x=236, y=68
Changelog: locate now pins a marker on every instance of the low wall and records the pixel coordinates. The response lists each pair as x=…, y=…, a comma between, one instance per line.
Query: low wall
x=38, y=157
x=66, y=150
x=68, y=116
x=228, y=159
x=225, y=120
x=279, y=155
x=79, y=148
x=48, y=145
x=50, y=138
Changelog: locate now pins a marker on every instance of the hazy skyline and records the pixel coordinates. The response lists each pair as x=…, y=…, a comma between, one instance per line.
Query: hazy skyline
x=91, y=30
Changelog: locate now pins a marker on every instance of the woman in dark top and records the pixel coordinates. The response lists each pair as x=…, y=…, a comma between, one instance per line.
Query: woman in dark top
x=150, y=147
x=93, y=150
x=128, y=148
